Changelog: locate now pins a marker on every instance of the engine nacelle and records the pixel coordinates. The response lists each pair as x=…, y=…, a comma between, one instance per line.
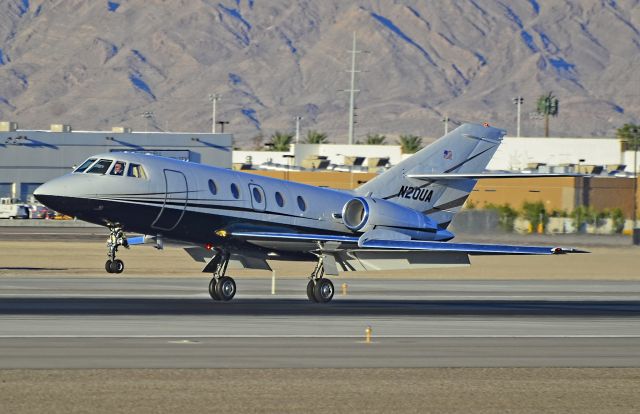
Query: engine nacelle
x=365, y=213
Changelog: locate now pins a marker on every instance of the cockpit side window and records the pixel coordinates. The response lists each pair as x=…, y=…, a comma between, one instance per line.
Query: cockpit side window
x=118, y=168
x=136, y=170
x=85, y=165
x=100, y=167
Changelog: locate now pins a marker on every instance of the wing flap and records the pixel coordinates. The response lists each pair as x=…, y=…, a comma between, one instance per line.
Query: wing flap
x=469, y=248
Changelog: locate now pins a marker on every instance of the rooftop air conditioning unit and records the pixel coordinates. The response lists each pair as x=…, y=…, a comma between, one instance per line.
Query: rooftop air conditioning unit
x=60, y=128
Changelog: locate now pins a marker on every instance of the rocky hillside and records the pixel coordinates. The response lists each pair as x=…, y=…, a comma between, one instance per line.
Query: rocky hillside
x=95, y=64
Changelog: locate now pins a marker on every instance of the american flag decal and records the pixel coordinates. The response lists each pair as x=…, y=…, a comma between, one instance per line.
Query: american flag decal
x=448, y=154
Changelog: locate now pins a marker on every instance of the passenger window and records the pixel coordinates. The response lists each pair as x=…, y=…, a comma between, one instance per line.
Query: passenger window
x=301, y=204
x=85, y=165
x=118, y=168
x=212, y=187
x=256, y=195
x=279, y=199
x=136, y=170
x=100, y=167
x=235, y=191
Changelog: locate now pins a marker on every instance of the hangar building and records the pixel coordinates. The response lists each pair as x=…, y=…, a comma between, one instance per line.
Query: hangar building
x=29, y=158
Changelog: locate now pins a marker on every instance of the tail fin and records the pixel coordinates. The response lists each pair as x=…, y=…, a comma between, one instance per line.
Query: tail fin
x=467, y=149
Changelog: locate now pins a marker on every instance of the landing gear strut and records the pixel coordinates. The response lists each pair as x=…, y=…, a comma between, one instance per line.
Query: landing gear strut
x=319, y=288
x=117, y=238
x=221, y=287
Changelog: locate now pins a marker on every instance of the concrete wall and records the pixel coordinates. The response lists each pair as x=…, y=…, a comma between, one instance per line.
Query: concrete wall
x=29, y=158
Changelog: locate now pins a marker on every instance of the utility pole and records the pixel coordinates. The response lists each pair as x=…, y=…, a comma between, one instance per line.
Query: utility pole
x=214, y=98
x=352, y=89
x=518, y=100
x=298, y=119
x=635, y=134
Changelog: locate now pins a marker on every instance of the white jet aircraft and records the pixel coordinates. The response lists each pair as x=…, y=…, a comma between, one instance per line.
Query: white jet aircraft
x=398, y=220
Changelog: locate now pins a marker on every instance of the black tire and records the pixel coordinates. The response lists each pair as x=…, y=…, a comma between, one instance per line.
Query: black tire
x=212, y=289
x=226, y=288
x=117, y=266
x=107, y=266
x=323, y=290
x=310, y=294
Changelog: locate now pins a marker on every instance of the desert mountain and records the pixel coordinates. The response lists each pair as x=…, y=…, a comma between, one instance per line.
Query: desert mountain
x=96, y=64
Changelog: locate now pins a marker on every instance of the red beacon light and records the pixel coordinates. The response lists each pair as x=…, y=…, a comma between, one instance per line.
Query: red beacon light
x=208, y=246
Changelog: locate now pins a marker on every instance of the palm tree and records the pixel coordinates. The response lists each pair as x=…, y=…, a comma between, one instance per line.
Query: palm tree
x=410, y=144
x=375, y=139
x=316, y=137
x=547, y=105
x=280, y=141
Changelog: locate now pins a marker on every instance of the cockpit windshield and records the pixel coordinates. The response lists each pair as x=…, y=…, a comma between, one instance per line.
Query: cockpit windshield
x=85, y=165
x=112, y=168
x=100, y=167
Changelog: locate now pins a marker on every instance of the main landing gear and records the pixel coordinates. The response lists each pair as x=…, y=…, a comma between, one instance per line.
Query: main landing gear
x=117, y=238
x=221, y=287
x=319, y=288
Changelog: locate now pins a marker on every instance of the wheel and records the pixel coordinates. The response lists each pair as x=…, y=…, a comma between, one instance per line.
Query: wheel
x=226, y=288
x=310, y=294
x=107, y=266
x=117, y=266
x=323, y=290
x=212, y=289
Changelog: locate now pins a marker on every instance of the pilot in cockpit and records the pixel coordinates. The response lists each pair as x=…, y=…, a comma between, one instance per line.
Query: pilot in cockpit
x=118, y=168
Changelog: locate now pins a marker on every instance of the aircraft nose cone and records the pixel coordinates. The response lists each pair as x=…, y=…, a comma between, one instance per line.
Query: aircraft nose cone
x=51, y=194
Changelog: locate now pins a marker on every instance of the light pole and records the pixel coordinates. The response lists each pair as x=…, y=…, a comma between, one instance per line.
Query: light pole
x=446, y=124
x=214, y=98
x=147, y=115
x=635, y=135
x=298, y=119
x=518, y=101
x=222, y=124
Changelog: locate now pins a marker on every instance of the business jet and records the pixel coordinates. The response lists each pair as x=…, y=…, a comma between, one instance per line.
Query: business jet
x=398, y=220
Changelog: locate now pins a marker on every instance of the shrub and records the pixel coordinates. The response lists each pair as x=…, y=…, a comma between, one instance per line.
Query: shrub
x=535, y=213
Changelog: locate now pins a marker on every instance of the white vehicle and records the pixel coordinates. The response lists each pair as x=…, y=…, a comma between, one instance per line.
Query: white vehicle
x=398, y=220
x=11, y=208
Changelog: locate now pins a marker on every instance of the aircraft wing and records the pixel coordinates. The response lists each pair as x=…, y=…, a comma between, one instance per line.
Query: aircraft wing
x=413, y=245
x=477, y=176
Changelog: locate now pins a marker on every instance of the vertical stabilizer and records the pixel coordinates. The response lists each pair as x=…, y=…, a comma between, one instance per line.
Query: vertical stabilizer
x=467, y=149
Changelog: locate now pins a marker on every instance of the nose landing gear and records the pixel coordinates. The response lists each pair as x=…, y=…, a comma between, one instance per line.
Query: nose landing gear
x=117, y=238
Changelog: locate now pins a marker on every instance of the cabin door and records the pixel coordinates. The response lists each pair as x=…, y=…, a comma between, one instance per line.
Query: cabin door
x=175, y=201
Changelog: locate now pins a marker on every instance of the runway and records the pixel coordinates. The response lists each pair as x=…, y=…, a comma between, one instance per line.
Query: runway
x=172, y=323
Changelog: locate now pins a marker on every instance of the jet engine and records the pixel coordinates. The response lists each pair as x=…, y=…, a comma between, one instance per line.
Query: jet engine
x=361, y=214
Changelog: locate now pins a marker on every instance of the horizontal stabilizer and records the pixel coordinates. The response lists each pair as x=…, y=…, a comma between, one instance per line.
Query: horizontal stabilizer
x=464, y=176
x=470, y=248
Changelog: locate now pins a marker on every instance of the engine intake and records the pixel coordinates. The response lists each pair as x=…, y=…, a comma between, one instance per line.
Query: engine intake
x=365, y=213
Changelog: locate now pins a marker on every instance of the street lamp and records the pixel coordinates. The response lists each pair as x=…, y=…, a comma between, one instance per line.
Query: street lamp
x=148, y=115
x=635, y=135
x=298, y=119
x=518, y=101
x=214, y=98
x=446, y=124
x=222, y=124
x=289, y=157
